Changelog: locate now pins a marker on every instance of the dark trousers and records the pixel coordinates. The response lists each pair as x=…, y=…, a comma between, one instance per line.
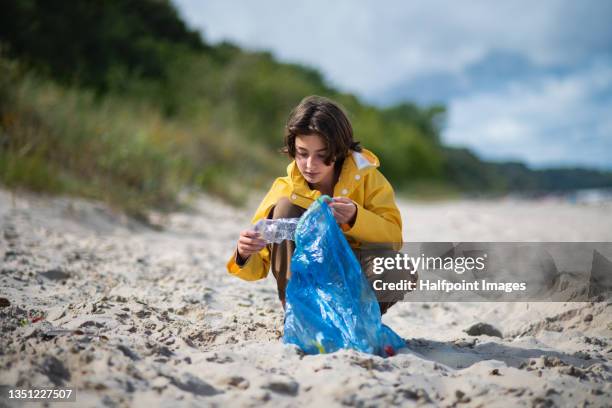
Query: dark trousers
x=281, y=254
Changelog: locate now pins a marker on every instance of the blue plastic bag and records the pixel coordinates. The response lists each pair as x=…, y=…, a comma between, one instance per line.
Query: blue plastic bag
x=330, y=304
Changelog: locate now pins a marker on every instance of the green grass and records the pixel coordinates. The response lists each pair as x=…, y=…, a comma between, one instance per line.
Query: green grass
x=119, y=150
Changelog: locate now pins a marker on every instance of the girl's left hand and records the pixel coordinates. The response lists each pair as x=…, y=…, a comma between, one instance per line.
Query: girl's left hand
x=344, y=210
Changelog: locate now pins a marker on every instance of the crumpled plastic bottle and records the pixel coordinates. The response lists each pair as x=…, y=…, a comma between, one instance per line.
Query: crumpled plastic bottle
x=277, y=230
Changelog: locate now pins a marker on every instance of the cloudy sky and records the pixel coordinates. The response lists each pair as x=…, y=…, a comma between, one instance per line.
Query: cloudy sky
x=522, y=80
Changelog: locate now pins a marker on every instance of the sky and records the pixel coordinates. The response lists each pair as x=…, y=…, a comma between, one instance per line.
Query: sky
x=522, y=80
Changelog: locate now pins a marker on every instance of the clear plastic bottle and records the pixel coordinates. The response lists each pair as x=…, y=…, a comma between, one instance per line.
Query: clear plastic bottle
x=278, y=230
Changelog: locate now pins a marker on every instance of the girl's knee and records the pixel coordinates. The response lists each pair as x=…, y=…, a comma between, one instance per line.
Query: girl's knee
x=284, y=208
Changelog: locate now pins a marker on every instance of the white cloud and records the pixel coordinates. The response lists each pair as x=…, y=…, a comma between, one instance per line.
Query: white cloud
x=553, y=121
x=365, y=46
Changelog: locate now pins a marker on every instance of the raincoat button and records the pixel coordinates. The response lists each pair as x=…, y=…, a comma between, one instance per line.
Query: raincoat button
x=357, y=176
x=293, y=196
x=344, y=191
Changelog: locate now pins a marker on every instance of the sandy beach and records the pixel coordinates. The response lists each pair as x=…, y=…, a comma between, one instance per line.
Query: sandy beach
x=130, y=315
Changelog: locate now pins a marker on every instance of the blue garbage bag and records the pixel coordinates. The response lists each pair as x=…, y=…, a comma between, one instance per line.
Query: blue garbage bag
x=329, y=303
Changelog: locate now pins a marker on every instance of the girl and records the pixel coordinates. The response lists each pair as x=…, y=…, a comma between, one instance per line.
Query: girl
x=326, y=160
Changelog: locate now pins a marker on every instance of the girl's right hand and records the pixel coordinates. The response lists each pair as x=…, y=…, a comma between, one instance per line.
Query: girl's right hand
x=249, y=243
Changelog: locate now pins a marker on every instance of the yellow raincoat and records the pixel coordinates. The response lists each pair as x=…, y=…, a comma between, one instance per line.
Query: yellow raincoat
x=378, y=219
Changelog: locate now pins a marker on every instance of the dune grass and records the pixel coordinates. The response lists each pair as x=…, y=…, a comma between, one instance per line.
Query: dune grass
x=116, y=149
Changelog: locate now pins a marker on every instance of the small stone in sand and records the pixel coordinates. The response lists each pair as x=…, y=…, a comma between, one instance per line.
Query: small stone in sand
x=4, y=302
x=194, y=385
x=283, y=387
x=417, y=395
x=238, y=382
x=91, y=323
x=486, y=329
x=461, y=398
x=540, y=402
x=143, y=314
x=165, y=351
x=128, y=353
x=54, y=274
x=55, y=370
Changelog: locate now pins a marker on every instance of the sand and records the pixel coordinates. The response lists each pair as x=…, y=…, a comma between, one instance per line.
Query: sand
x=130, y=315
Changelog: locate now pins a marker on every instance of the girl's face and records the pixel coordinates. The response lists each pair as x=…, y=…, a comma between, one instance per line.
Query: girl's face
x=310, y=153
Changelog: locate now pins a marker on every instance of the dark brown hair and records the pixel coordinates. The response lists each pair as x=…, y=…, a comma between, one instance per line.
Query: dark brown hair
x=321, y=116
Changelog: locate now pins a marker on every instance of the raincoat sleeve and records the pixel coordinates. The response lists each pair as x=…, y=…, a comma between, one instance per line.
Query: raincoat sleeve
x=257, y=265
x=378, y=220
